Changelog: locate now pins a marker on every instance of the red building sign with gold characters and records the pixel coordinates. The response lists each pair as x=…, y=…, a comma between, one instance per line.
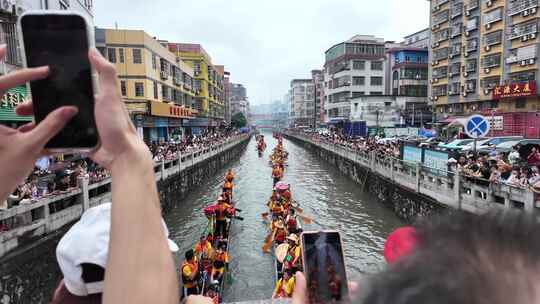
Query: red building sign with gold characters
x=166, y=110
x=514, y=89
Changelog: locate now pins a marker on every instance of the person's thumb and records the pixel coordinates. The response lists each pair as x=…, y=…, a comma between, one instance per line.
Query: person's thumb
x=50, y=126
x=300, y=289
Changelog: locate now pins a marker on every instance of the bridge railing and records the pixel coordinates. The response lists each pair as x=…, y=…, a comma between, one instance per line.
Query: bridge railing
x=48, y=214
x=449, y=188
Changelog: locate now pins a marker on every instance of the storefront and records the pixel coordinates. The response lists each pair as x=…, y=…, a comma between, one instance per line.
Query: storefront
x=167, y=121
x=8, y=103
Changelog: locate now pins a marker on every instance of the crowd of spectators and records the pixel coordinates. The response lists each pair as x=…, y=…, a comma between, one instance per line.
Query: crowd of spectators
x=509, y=168
x=54, y=176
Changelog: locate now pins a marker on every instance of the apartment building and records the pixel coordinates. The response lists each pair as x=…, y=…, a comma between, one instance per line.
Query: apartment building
x=483, y=59
x=302, y=100
x=156, y=88
x=352, y=69
x=208, y=84
x=317, y=77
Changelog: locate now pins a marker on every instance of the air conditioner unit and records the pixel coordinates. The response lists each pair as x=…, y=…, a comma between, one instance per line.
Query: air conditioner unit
x=487, y=70
x=487, y=48
x=473, y=108
x=524, y=38
x=436, y=97
x=489, y=3
x=451, y=55
x=525, y=13
x=532, y=36
x=464, y=93
x=467, y=13
x=19, y=10
x=533, y=10
x=6, y=6
x=523, y=63
x=465, y=74
x=437, y=44
x=488, y=26
x=531, y=61
x=466, y=54
x=436, y=80
x=486, y=91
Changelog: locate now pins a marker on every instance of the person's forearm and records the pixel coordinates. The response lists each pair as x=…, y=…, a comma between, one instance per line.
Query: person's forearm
x=137, y=238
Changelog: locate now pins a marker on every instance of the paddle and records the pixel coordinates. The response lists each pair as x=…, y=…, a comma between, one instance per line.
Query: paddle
x=305, y=219
x=229, y=278
x=236, y=217
x=239, y=210
x=268, y=242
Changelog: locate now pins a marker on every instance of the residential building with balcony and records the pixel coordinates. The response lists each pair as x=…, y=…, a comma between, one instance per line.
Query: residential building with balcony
x=317, y=77
x=302, y=100
x=483, y=59
x=352, y=69
x=239, y=100
x=207, y=83
x=156, y=87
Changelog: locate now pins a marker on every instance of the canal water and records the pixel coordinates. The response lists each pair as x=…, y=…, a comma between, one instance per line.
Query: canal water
x=330, y=198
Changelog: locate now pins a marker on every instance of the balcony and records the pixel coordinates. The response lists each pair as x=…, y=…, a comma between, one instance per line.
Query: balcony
x=492, y=17
x=440, y=18
x=523, y=7
x=456, y=10
x=164, y=75
x=524, y=55
x=491, y=61
x=525, y=31
x=440, y=54
x=437, y=4
x=455, y=30
x=492, y=39
x=471, y=5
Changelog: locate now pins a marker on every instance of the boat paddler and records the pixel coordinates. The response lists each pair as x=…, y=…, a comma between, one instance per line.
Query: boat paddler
x=276, y=208
x=220, y=262
x=222, y=210
x=276, y=174
x=190, y=274
x=280, y=233
x=229, y=176
x=284, y=286
x=293, y=257
x=203, y=249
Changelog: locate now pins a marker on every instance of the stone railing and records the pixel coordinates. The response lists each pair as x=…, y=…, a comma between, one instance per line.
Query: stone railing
x=48, y=214
x=448, y=188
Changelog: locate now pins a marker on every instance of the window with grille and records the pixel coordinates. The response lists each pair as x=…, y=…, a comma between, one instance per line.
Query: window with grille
x=472, y=24
x=440, y=53
x=470, y=86
x=491, y=61
x=137, y=56
x=493, y=38
x=439, y=90
x=493, y=16
x=455, y=30
x=525, y=28
x=522, y=53
x=376, y=81
x=471, y=65
x=440, y=72
x=121, y=55
x=490, y=82
x=440, y=17
x=139, y=89
x=359, y=80
x=156, y=95
x=518, y=6
x=472, y=44
x=456, y=10
x=111, y=55
x=441, y=35
x=456, y=49
x=455, y=68
x=522, y=76
x=123, y=88
x=377, y=65
x=359, y=64
x=454, y=88
x=154, y=61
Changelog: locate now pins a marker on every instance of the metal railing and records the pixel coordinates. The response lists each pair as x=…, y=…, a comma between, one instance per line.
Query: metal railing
x=48, y=214
x=445, y=187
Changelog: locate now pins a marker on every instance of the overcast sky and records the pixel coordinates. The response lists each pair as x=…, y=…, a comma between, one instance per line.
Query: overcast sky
x=266, y=43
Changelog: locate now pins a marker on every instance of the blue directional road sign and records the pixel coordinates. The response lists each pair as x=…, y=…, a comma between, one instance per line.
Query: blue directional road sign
x=477, y=126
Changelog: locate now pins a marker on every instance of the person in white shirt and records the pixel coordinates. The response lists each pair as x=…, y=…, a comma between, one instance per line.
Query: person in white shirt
x=513, y=157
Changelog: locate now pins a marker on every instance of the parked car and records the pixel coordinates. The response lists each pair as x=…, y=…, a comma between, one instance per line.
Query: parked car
x=524, y=147
x=489, y=142
x=455, y=145
x=430, y=142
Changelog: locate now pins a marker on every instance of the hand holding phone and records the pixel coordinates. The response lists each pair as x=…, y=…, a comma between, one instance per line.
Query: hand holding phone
x=61, y=40
x=324, y=267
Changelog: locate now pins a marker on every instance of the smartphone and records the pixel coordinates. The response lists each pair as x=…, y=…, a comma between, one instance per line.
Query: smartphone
x=61, y=40
x=324, y=267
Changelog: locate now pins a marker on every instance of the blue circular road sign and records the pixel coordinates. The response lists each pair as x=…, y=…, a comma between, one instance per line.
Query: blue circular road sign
x=477, y=126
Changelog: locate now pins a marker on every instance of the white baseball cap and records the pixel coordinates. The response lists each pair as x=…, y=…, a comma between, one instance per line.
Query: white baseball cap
x=88, y=242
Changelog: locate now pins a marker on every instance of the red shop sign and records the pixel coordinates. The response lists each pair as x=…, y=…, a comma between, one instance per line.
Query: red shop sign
x=516, y=89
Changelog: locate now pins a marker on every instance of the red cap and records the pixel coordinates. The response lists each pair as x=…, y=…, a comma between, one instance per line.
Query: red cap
x=399, y=243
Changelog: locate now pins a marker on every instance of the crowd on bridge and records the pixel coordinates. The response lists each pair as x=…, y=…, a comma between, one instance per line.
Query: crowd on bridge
x=496, y=167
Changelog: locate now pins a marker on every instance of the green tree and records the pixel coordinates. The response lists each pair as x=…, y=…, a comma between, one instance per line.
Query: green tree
x=238, y=120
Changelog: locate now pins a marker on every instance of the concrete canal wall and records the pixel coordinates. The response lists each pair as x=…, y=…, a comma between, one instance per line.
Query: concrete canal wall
x=28, y=267
x=412, y=190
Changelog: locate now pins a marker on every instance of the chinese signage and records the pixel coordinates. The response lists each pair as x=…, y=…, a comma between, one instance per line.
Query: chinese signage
x=516, y=89
x=13, y=97
x=167, y=110
x=436, y=161
x=412, y=154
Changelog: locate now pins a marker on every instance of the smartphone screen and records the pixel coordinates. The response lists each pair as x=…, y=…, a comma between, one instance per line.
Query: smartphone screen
x=324, y=267
x=61, y=42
